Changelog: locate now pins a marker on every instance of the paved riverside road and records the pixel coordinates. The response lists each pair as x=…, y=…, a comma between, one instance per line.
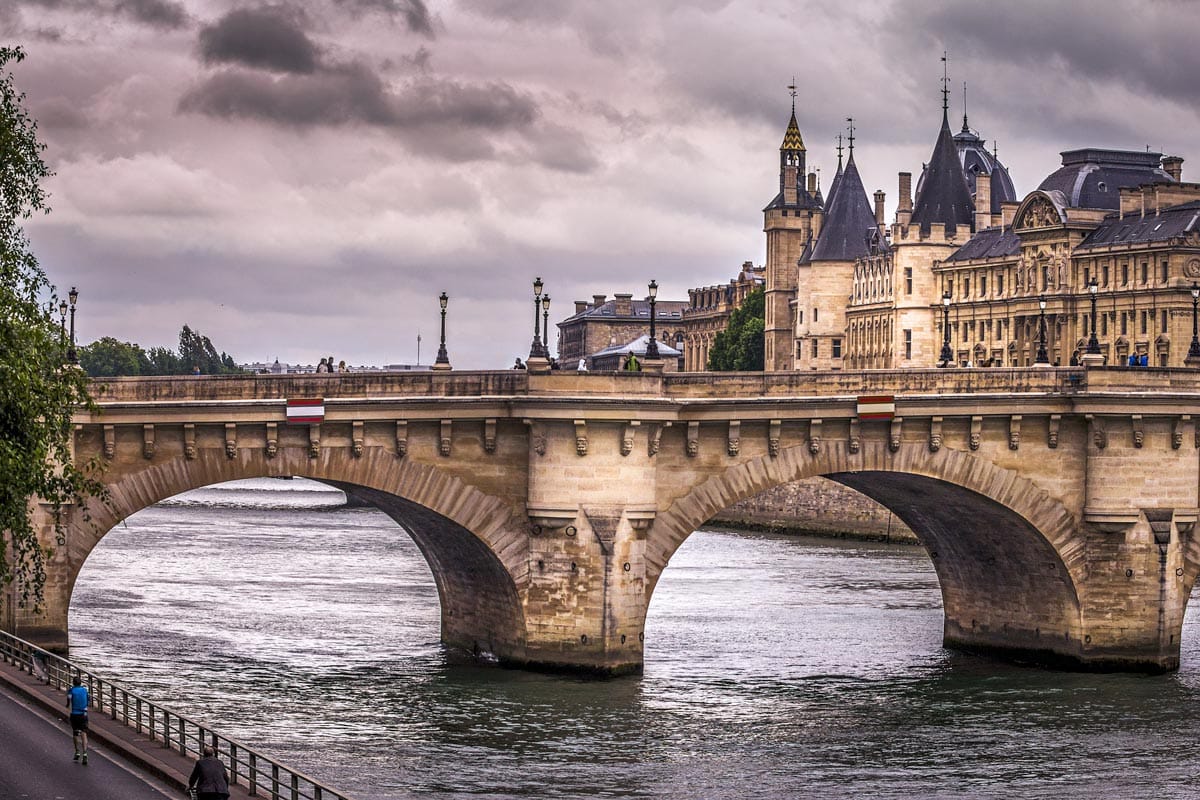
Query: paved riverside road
x=35, y=763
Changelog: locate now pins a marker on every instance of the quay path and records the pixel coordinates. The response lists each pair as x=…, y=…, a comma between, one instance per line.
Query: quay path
x=35, y=752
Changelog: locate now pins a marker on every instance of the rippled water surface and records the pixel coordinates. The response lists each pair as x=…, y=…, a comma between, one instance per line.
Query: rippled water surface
x=775, y=667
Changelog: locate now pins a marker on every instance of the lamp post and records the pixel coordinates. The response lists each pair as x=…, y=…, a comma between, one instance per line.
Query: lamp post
x=1193, y=354
x=1042, y=357
x=652, y=345
x=535, y=349
x=946, y=356
x=1093, y=345
x=443, y=360
x=72, y=356
x=62, y=324
x=546, y=323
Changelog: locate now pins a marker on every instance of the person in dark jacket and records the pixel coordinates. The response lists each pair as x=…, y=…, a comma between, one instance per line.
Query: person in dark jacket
x=209, y=778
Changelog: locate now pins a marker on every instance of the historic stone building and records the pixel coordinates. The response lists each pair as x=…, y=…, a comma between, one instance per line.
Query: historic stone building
x=846, y=292
x=708, y=311
x=603, y=323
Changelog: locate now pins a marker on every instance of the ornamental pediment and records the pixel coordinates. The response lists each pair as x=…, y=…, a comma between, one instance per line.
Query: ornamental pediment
x=1038, y=212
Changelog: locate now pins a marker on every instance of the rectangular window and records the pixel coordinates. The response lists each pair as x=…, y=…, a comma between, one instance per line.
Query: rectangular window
x=908, y=280
x=1145, y=322
x=1104, y=325
x=815, y=351
x=814, y=316
x=950, y=287
x=983, y=285
x=1164, y=321
x=800, y=313
x=1000, y=283
x=1124, y=324
x=966, y=286
x=1087, y=276
x=1125, y=273
x=1145, y=272
x=837, y=348
x=908, y=344
x=1104, y=282
x=1164, y=271
x=799, y=352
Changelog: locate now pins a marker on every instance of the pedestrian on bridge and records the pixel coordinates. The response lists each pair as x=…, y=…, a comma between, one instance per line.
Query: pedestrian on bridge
x=77, y=702
x=209, y=780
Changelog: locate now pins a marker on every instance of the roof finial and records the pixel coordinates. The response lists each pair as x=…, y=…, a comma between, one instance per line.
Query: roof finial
x=965, y=128
x=792, y=89
x=995, y=149
x=818, y=171
x=945, y=82
x=851, y=137
x=839, y=149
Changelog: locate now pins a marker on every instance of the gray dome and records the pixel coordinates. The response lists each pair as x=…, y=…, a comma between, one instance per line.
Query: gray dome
x=1093, y=178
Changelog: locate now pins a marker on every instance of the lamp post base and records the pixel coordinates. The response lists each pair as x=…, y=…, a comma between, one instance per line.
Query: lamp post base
x=537, y=364
x=1192, y=361
x=654, y=366
x=443, y=366
x=1092, y=359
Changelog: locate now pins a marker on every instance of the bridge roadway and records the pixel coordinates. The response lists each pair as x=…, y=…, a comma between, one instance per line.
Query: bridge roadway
x=35, y=752
x=1058, y=505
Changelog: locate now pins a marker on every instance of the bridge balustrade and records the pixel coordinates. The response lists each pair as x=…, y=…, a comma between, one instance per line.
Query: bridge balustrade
x=260, y=774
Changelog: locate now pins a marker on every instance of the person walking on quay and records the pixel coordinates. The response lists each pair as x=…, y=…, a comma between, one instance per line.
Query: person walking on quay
x=77, y=702
x=322, y=367
x=209, y=780
x=342, y=366
x=632, y=364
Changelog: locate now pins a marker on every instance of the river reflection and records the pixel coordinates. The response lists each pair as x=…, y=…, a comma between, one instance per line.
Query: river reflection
x=775, y=667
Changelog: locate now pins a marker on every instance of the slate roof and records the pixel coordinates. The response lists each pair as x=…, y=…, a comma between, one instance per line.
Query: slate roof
x=1092, y=178
x=846, y=233
x=638, y=347
x=1134, y=229
x=976, y=160
x=989, y=243
x=833, y=184
x=943, y=195
x=639, y=309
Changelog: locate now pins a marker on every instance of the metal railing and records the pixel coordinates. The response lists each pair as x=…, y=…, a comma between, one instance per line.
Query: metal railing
x=262, y=776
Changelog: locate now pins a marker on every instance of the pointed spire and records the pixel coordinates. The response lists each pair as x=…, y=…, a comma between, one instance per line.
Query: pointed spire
x=965, y=128
x=946, y=85
x=944, y=195
x=792, y=140
x=850, y=225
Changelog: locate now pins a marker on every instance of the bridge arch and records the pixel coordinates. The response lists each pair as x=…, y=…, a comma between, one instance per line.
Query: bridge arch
x=468, y=538
x=1006, y=552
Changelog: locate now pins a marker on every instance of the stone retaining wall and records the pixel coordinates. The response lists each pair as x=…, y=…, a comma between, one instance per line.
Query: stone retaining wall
x=817, y=506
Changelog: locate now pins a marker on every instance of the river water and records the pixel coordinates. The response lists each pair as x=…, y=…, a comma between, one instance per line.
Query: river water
x=776, y=667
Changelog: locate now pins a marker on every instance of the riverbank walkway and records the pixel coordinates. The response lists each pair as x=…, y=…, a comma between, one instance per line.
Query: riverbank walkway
x=35, y=751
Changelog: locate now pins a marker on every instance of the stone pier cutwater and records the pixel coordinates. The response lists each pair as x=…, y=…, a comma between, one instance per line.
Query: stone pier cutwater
x=1057, y=505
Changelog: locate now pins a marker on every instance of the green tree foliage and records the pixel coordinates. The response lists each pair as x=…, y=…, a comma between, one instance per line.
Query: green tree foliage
x=108, y=357
x=740, y=346
x=38, y=394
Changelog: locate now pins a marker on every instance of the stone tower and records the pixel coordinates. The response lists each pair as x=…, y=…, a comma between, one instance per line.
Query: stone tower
x=791, y=221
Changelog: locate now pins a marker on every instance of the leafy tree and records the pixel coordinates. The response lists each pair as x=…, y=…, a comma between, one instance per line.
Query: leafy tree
x=37, y=392
x=163, y=361
x=740, y=346
x=108, y=357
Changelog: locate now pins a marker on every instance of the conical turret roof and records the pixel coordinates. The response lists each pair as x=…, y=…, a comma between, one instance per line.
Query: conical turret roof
x=833, y=185
x=943, y=195
x=850, y=225
x=792, y=140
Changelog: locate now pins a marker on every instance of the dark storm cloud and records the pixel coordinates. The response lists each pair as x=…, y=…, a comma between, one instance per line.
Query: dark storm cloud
x=415, y=12
x=263, y=38
x=1146, y=48
x=164, y=14
x=354, y=94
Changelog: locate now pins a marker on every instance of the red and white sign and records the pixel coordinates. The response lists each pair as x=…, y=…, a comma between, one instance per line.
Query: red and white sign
x=311, y=409
x=877, y=407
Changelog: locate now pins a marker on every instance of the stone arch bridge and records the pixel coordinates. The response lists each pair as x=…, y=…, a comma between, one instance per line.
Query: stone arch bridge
x=1057, y=505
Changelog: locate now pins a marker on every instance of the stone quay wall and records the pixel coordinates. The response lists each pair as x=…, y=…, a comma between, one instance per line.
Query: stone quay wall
x=820, y=507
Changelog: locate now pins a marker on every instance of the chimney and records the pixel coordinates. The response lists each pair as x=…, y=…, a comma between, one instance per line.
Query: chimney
x=879, y=198
x=581, y=306
x=1130, y=200
x=789, y=184
x=904, y=210
x=1008, y=212
x=812, y=183
x=1173, y=166
x=983, y=201
x=598, y=300
x=624, y=304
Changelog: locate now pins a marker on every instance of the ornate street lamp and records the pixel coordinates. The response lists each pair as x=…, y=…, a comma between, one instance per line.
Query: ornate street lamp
x=652, y=345
x=546, y=323
x=536, y=350
x=946, y=356
x=1042, y=357
x=62, y=325
x=72, y=356
x=1194, y=349
x=442, y=357
x=1093, y=345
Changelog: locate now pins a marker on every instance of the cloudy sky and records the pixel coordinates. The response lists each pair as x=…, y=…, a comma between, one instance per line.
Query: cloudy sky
x=304, y=177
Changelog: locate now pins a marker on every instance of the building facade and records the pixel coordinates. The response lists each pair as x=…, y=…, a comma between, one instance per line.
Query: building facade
x=708, y=310
x=972, y=268
x=603, y=323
